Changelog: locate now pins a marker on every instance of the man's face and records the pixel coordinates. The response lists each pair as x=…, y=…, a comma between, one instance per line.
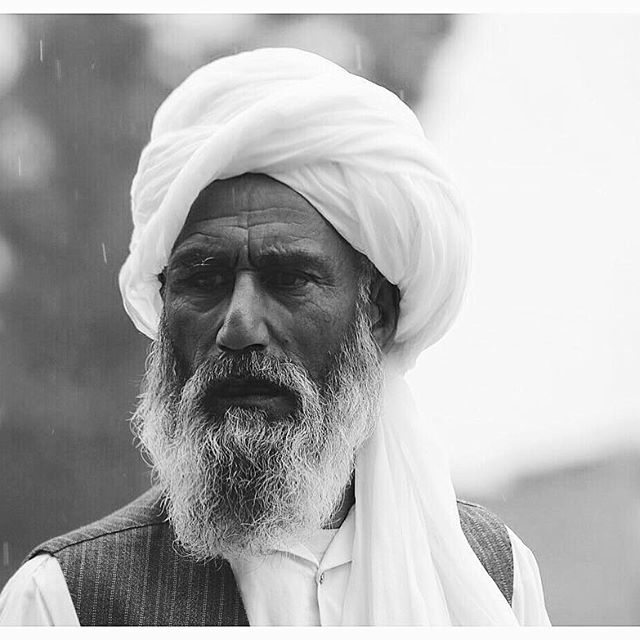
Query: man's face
x=256, y=267
x=265, y=377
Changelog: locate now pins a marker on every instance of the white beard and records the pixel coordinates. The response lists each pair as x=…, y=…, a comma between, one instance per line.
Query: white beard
x=245, y=482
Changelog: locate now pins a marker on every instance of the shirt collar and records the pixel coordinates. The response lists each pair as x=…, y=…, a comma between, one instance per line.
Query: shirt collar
x=339, y=550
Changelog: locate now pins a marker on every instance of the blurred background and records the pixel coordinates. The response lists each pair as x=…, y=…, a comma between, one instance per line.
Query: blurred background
x=536, y=388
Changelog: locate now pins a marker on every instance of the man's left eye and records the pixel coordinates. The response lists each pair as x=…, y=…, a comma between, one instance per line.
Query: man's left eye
x=286, y=279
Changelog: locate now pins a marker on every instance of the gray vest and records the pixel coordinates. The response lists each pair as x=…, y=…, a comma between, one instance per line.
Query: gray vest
x=124, y=570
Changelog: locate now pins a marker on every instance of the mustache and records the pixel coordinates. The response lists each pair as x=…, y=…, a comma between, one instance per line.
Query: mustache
x=227, y=374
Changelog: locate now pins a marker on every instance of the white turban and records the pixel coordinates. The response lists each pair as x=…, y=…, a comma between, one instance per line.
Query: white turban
x=359, y=155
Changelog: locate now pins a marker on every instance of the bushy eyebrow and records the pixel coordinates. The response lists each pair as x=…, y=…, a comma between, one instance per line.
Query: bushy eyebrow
x=198, y=256
x=291, y=256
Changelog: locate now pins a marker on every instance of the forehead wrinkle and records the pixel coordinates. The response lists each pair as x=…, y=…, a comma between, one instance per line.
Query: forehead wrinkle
x=248, y=193
x=246, y=214
x=248, y=219
x=246, y=211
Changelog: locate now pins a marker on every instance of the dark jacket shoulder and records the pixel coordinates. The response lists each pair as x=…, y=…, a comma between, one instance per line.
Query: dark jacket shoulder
x=145, y=511
x=124, y=570
x=489, y=538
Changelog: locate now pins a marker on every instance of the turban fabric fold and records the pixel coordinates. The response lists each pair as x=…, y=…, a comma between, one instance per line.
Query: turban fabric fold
x=358, y=154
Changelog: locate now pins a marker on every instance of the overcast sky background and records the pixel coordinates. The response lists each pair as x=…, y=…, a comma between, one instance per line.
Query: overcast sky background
x=538, y=118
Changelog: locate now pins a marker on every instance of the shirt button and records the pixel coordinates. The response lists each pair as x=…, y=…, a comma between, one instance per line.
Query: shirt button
x=321, y=578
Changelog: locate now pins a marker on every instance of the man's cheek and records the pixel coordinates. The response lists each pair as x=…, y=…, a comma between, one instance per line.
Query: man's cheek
x=320, y=336
x=182, y=333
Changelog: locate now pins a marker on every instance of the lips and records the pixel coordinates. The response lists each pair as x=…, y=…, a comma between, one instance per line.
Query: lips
x=250, y=393
x=242, y=388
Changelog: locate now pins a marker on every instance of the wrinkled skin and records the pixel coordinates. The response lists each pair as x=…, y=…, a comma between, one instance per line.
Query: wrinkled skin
x=257, y=267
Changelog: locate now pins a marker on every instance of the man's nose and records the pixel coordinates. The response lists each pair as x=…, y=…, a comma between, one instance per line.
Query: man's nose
x=244, y=326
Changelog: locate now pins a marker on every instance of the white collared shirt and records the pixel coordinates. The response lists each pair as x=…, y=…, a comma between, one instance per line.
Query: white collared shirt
x=302, y=585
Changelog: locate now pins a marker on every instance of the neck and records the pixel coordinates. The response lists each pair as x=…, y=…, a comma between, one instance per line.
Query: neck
x=338, y=516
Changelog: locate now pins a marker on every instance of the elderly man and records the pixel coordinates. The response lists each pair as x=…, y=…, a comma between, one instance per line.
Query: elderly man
x=296, y=245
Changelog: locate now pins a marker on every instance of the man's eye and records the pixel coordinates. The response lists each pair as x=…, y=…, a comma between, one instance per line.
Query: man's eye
x=286, y=279
x=208, y=279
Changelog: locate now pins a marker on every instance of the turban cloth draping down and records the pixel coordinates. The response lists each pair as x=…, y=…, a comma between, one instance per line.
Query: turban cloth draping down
x=358, y=154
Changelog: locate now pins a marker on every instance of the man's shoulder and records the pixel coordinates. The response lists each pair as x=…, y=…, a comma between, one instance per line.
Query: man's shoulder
x=485, y=531
x=472, y=511
x=489, y=538
x=124, y=570
x=145, y=511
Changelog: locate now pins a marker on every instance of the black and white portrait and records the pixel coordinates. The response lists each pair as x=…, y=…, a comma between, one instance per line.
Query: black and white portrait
x=319, y=319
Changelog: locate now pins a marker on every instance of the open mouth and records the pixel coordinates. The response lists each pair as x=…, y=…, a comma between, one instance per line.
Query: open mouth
x=250, y=392
x=238, y=388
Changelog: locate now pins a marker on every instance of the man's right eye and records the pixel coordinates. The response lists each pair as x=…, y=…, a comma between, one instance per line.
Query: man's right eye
x=209, y=279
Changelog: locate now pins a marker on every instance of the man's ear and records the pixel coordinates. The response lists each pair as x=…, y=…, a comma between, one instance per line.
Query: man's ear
x=385, y=309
